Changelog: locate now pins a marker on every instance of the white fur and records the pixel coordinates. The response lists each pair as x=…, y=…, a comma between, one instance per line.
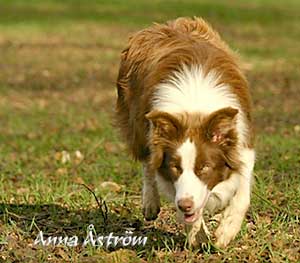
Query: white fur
x=194, y=229
x=188, y=153
x=190, y=90
x=188, y=185
x=248, y=159
x=222, y=193
x=235, y=212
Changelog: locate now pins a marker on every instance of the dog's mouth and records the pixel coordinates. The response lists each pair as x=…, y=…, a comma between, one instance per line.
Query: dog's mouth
x=190, y=218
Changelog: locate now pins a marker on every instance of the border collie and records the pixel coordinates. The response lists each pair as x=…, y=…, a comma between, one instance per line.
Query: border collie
x=184, y=109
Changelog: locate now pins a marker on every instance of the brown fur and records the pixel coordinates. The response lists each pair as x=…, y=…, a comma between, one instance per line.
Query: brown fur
x=150, y=58
x=220, y=154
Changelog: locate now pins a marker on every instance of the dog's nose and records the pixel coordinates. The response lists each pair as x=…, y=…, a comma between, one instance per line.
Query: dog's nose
x=185, y=204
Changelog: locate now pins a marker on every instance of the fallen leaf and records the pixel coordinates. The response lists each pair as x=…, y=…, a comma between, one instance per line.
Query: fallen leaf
x=62, y=253
x=65, y=158
x=61, y=171
x=297, y=128
x=111, y=147
x=111, y=186
x=78, y=180
x=78, y=155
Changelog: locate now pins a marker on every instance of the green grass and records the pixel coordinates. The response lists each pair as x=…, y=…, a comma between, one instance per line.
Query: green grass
x=59, y=62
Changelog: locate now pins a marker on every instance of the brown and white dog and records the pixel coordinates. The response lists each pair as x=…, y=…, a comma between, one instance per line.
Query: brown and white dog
x=185, y=110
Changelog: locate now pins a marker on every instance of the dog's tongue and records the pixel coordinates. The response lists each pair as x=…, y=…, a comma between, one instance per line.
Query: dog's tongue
x=190, y=218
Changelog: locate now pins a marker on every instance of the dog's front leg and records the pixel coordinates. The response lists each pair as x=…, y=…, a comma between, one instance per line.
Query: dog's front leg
x=197, y=233
x=150, y=196
x=234, y=214
x=222, y=194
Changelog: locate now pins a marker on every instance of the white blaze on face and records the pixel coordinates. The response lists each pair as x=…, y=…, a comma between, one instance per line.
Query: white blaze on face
x=188, y=185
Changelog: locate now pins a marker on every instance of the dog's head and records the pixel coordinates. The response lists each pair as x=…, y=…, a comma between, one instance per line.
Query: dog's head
x=193, y=153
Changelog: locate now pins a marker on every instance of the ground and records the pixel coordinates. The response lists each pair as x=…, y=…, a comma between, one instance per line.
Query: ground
x=58, y=66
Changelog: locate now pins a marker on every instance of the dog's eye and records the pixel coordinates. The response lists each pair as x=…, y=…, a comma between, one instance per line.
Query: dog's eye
x=200, y=171
x=205, y=168
x=176, y=168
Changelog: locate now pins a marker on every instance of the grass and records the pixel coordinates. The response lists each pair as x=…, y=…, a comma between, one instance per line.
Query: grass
x=59, y=61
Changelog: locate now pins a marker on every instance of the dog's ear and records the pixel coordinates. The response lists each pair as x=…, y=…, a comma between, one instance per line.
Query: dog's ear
x=220, y=126
x=164, y=124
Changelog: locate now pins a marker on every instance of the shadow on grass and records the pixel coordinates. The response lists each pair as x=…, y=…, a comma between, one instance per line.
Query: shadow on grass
x=54, y=220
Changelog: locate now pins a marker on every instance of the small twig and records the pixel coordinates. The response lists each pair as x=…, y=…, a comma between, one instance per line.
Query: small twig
x=17, y=216
x=101, y=204
x=105, y=210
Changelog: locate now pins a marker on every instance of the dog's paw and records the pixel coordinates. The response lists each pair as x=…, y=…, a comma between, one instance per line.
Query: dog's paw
x=195, y=240
x=151, y=210
x=223, y=239
x=227, y=231
x=198, y=234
